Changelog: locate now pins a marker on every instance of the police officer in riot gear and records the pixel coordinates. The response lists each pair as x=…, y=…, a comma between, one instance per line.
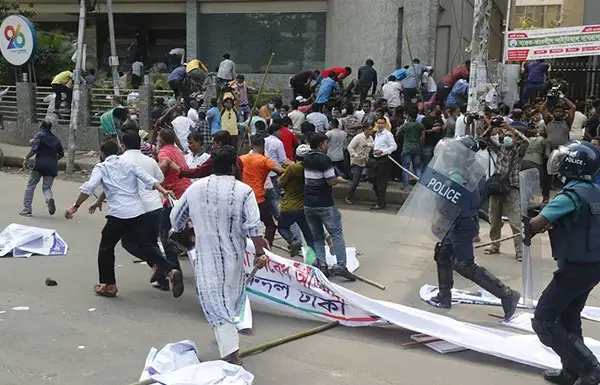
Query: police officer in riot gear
x=455, y=251
x=573, y=221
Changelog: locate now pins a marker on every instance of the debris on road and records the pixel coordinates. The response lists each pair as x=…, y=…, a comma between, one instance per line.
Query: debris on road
x=51, y=282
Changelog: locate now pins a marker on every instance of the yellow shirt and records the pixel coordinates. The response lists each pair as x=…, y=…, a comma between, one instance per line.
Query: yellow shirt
x=195, y=64
x=229, y=121
x=62, y=78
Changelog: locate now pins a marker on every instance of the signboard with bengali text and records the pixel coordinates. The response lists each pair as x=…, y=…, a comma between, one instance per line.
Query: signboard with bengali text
x=553, y=43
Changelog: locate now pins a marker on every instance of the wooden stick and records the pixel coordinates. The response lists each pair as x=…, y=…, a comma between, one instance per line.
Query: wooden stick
x=369, y=282
x=496, y=315
x=420, y=343
x=293, y=337
x=497, y=241
x=260, y=90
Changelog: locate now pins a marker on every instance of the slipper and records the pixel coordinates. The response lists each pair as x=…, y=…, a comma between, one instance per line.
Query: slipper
x=105, y=290
x=492, y=250
x=519, y=258
x=176, y=279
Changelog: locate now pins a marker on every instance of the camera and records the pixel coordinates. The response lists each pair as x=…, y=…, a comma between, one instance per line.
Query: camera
x=555, y=97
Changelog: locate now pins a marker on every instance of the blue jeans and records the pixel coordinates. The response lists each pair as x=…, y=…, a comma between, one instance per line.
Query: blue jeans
x=331, y=218
x=427, y=155
x=407, y=159
x=244, y=113
x=289, y=218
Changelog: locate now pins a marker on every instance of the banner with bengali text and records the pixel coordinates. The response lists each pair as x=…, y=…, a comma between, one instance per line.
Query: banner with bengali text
x=553, y=43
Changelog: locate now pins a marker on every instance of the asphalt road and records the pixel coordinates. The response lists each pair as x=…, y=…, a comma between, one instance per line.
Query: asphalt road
x=61, y=340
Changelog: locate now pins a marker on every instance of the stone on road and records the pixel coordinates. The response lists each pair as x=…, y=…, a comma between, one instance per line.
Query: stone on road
x=70, y=336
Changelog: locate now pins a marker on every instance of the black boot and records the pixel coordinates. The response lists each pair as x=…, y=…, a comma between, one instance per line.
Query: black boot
x=559, y=376
x=488, y=281
x=445, y=279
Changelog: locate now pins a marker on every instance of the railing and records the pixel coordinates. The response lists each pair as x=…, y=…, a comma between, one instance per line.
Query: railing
x=8, y=106
x=582, y=74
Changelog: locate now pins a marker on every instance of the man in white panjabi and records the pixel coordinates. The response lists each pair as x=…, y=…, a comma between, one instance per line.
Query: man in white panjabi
x=224, y=213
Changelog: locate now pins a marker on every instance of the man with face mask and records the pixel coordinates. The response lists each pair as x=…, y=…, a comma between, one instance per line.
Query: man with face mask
x=220, y=139
x=229, y=120
x=510, y=146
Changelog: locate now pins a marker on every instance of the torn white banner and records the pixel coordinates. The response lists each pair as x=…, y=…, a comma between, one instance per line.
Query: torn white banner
x=25, y=241
x=178, y=364
x=482, y=297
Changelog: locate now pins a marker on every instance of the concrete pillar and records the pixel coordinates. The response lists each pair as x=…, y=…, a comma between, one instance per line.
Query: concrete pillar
x=26, y=117
x=90, y=41
x=145, y=103
x=420, y=23
x=358, y=30
x=191, y=23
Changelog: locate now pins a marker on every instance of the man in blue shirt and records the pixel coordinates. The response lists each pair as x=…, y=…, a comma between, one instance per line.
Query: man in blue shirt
x=179, y=84
x=399, y=74
x=328, y=85
x=47, y=150
x=573, y=221
x=213, y=117
x=536, y=78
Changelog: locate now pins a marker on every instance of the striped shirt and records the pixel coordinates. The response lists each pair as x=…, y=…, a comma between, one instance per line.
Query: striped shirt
x=318, y=169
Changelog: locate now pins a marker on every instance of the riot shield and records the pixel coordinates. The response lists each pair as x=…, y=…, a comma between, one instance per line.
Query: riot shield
x=530, y=201
x=447, y=185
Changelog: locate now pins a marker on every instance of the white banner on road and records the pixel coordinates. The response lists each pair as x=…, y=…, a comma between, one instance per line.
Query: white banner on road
x=295, y=288
x=553, y=43
x=25, y=241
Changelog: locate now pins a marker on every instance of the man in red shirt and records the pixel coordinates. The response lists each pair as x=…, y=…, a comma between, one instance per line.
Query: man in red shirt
x=290, y=141
x=171, y=162
x=341, y=73
x=444, y=87
x=219, y=139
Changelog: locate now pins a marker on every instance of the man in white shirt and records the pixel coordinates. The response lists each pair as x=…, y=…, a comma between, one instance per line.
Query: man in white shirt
x=226, y=72
x=297, y=117
x=579, y=123
x=318, y=118
x=276, y=152
x=120, y=181
x=383, y=145
x=193, y=113
x=182, y=127
x=391, y=91
x=197, y=156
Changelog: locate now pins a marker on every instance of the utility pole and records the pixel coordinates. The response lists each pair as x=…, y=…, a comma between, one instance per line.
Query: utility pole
x=479, y=53
x=113, y=60
x=74, y=122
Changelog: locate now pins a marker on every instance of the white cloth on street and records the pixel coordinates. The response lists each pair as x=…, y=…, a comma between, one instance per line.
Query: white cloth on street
x=183, y=128
x=151, y=199
x=224, y=213
x=120, y=180
x=228, y=339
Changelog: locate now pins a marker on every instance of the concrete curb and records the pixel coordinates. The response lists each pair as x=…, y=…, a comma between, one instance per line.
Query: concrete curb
x=17, y=162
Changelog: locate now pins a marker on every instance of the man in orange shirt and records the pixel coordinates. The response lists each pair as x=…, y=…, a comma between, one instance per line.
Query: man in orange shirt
x=256, y=169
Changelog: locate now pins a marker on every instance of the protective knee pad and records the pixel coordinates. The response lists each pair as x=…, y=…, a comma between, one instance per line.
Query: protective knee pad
x=544, y=331
x=442, y=254
x=466, y=268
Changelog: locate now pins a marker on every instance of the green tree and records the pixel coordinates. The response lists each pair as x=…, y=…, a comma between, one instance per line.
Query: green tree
x=8, y=8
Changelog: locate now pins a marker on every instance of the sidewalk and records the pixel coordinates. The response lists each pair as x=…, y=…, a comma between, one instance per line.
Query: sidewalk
x=85, y=161
x=13, y=157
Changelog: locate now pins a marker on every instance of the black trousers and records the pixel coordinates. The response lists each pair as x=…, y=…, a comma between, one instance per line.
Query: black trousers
x=59, y=89
x=180, y=89
x=165, y=226
x=364, y=92
x=409, y=95
x=383, y=173
x=300, y=89
x=266, y=217
x=136, y=231
x=557, y=317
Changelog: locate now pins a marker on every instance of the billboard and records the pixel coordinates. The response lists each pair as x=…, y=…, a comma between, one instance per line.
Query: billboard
x=553, y=43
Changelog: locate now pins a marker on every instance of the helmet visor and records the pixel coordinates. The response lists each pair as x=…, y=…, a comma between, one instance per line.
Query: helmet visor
x=556, y=159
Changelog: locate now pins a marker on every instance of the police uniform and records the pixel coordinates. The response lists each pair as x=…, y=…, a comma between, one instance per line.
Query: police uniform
x=575, y=240
x=455, y=251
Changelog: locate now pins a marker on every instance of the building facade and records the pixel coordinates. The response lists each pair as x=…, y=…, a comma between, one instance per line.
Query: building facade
x=302, y=33
x=547, y=13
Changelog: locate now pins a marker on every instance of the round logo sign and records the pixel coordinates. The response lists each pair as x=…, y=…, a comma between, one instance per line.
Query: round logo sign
x=18, y=39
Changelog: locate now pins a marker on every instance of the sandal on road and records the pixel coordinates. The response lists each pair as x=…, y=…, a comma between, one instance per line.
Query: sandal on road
x=492, y=250
x=105, y=290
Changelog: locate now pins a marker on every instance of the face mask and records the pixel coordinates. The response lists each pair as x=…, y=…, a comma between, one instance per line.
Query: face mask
x=228, y=105
x=271, y=106
x=507, y=141
x=283, y=114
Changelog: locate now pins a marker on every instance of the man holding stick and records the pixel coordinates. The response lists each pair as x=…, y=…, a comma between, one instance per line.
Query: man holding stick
x=224, y=213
